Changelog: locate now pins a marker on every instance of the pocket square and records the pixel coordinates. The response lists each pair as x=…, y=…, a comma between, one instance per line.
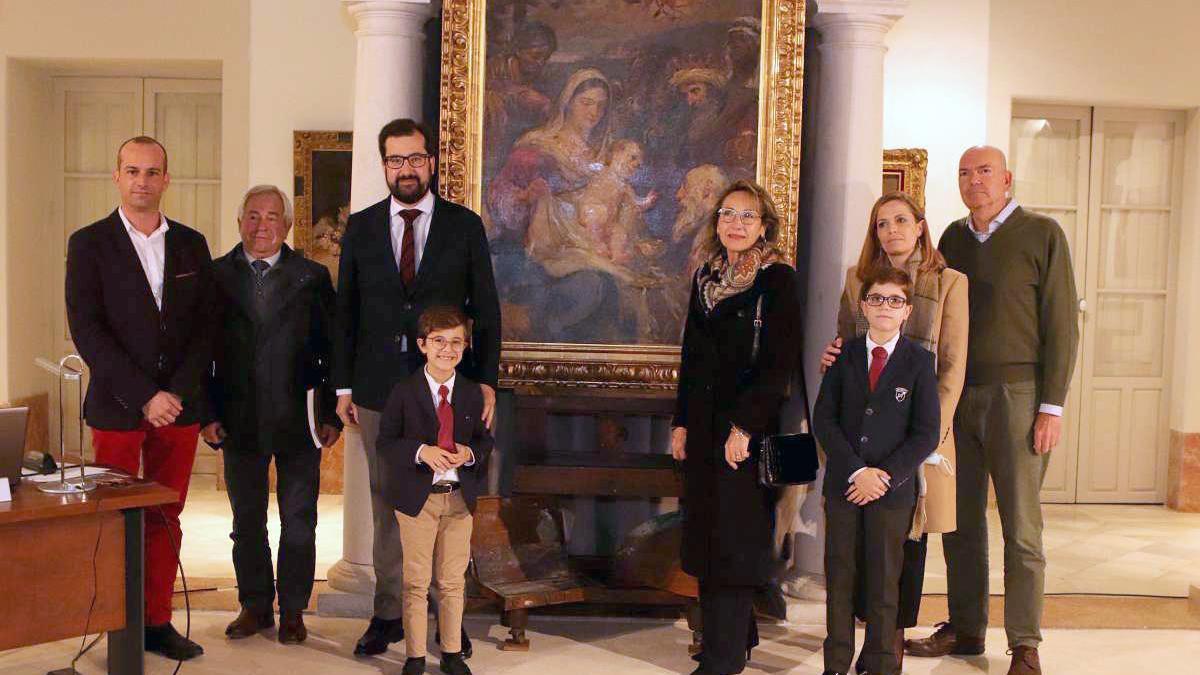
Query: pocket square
x=185, y=274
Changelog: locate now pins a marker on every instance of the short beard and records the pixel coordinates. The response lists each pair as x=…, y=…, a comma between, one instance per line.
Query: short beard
x=407, y=196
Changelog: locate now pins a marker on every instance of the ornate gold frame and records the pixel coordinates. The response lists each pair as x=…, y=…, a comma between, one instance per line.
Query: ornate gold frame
x=304, y=143
x=910, y=165
x=527, y=364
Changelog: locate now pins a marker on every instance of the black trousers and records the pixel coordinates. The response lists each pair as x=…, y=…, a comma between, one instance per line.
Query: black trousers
x=871, y=536
x=912, y=584
x=298, y=476
x=727, y=625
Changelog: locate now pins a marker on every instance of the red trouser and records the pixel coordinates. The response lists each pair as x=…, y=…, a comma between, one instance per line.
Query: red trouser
x=169, y=452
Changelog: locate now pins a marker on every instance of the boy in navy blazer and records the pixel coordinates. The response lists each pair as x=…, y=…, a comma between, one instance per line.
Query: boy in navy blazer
x=433, y=447
x=877, y=418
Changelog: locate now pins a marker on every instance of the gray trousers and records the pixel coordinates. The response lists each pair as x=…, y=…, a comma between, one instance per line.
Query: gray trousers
x=993, y=432
x=386, y=553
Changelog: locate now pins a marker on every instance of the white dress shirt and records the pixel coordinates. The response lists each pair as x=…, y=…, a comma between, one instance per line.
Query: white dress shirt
x=269, y=260
x=450, y=476
x=420, y=236
x=151, y=251
x=1049, y=409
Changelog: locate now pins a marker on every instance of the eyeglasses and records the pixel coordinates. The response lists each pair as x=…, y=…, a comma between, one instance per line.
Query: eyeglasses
x=893, y=301
x=397, y=161
x=745, y=216
x=439, y=343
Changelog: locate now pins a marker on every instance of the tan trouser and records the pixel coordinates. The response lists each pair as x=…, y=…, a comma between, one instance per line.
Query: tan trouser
x=437, y=548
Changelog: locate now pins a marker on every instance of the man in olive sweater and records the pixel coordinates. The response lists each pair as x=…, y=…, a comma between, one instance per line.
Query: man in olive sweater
x=1020, y=354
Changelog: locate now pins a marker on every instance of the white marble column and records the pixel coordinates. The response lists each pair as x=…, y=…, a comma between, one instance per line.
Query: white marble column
x=388, y=74
x=846, y=168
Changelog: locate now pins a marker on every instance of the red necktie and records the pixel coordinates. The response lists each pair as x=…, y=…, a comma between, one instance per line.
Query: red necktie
x=878, y=361
x=408, y=255
x=445, y=415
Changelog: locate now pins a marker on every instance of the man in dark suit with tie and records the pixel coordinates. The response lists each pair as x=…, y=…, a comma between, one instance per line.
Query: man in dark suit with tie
x=409, y=252
x=276, y=318
x=139, y=306
x=877, y=418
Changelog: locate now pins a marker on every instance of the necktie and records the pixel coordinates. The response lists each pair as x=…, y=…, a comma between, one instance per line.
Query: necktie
x=260, y=271
x=878, y=361
x=445, y=415
x=408, y=255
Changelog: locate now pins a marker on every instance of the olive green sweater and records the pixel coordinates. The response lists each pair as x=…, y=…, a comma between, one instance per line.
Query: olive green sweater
x=1022, y=302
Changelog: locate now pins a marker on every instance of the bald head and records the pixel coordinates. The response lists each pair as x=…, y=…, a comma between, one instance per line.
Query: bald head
x=984, y=182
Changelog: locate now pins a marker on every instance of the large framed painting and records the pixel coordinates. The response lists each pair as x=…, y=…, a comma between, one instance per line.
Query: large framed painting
x=594, y=137
x=904, y=171
x=322, y=164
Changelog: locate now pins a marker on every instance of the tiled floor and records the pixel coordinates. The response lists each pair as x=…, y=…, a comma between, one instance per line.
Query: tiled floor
x=1100, y=549
x=610, y=646
x=1096, y=549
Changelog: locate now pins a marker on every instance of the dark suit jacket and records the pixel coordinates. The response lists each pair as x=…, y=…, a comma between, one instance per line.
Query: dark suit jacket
x=409, y=421
x=264, y=366
x=375, y=310
x=893, y=428
x=133, y=349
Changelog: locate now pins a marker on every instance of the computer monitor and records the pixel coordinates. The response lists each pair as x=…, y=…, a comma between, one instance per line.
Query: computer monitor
x=12, y=442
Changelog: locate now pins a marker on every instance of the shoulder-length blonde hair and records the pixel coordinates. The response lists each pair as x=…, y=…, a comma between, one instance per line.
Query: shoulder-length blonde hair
x=873, y=254
x=711, y=244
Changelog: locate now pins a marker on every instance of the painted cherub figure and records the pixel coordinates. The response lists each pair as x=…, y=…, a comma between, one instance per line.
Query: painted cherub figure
x=608, y=208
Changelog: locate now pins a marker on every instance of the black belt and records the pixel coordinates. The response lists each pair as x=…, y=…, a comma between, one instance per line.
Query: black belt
x=443, y=488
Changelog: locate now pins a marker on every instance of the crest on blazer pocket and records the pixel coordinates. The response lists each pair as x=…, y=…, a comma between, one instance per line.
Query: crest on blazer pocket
x=901, y=394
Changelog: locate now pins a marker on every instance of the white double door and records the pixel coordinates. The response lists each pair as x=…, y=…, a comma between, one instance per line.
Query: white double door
x=1111, y=177
x=92, y=116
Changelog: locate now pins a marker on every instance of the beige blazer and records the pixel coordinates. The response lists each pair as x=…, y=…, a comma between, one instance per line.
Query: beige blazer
x=950, y=325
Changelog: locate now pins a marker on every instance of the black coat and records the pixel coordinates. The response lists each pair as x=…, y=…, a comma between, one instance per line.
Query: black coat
x=264, y=366
x=893, y=428
x=409, y=421
x=133, y=349
x=375, y=309
x=727, y=516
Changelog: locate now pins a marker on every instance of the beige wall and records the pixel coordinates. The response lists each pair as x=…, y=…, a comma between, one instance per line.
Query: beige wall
x=1111, y=52
x=935, y=93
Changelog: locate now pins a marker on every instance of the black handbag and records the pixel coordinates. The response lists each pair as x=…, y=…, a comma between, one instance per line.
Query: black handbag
x=785, y=459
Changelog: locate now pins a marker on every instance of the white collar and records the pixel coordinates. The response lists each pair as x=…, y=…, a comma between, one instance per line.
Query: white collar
x=160, y=230
x=424, y=204
x=889, y=346
x=270, y=261
x=998, y=220
x=434, y=385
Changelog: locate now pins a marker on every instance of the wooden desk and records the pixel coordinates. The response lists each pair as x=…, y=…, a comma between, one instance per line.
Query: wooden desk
x=47, y=575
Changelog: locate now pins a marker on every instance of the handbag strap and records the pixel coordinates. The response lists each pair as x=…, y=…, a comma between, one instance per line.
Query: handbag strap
x=758, y=324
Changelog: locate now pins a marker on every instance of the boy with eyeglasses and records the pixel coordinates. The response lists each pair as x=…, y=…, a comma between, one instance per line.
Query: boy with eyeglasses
x=433, y=446
x=877, y=417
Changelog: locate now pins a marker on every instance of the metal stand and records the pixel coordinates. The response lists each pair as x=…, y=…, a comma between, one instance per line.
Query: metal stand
x=68, y=485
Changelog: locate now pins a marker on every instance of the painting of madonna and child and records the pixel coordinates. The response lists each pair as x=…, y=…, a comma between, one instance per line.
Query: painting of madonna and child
x=610, y=128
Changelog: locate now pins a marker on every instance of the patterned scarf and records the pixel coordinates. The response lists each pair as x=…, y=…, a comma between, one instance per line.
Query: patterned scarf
x=720, y=280
x=926, y=291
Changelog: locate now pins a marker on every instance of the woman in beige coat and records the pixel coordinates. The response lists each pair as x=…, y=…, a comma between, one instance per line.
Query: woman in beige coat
x=897, y=235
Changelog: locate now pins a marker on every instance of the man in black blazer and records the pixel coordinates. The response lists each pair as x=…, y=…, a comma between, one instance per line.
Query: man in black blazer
x=139, y=306
x=877, y=418
x=276, y=318
x=409, y=252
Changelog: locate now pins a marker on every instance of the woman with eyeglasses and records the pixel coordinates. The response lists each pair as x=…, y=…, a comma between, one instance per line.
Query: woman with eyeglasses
x=730, y=394
x=898, y=236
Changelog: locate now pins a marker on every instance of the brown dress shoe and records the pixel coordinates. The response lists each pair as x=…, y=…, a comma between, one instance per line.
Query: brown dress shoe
x=249, y=622
x=945, y=640
x=1025, y=661
x=291, y=627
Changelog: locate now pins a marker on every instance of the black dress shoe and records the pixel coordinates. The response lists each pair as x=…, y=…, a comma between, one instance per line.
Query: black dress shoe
x=249, y=622
x=467, y=651
x=291, y=627
x=380, y=633
x=167, y=641
x=414, y=666
x=454, y=664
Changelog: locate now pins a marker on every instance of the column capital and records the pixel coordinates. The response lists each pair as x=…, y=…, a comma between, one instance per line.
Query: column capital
x=857, y=23
x=389, y=17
